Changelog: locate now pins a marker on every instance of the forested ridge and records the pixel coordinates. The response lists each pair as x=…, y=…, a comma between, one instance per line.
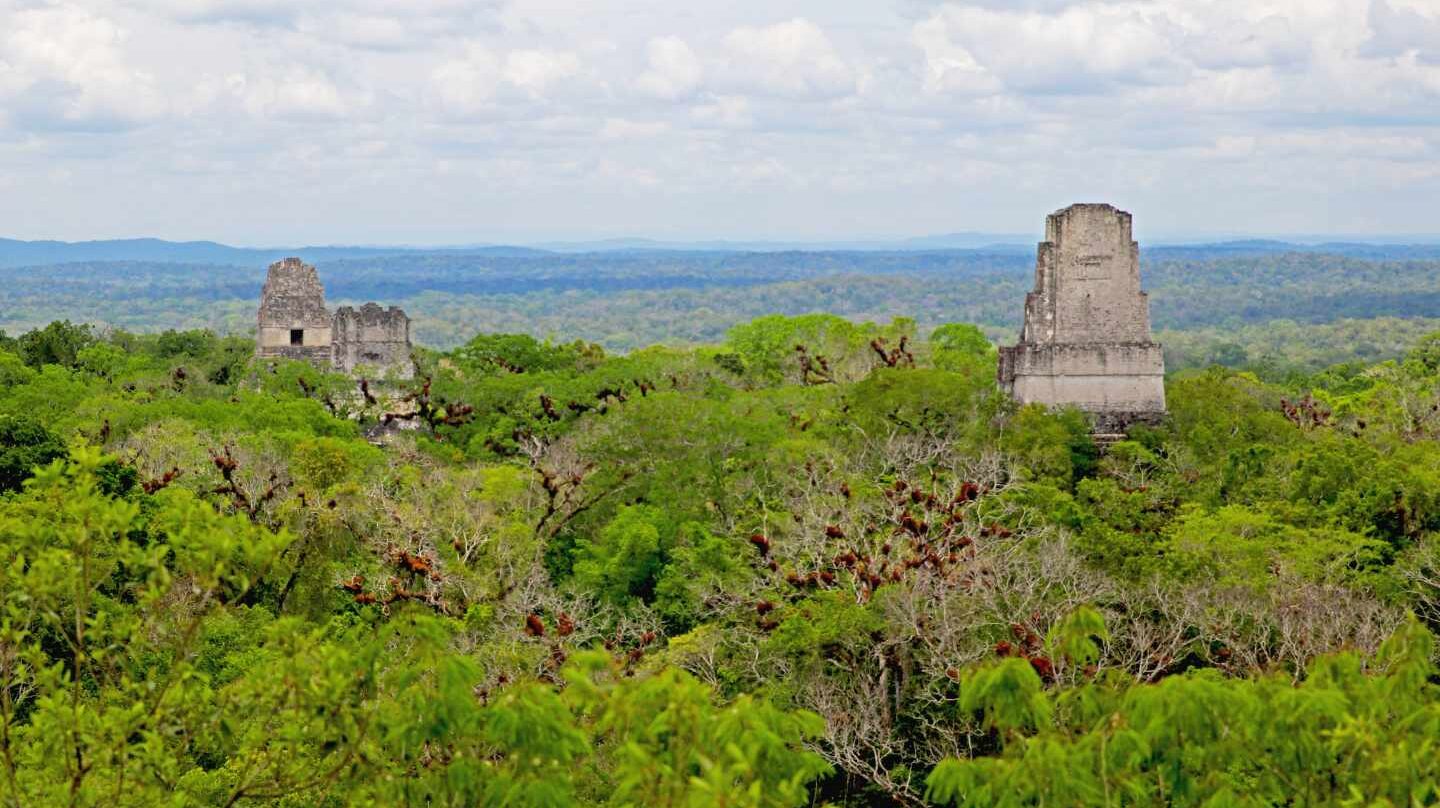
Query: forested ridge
x=811, y=561
x=628, y=300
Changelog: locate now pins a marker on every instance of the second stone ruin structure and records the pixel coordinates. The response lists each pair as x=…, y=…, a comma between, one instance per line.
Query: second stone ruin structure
x=295, y=324
x=1086, y=339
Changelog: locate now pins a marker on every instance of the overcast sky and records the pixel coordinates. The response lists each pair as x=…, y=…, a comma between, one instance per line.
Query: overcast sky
x=444, y=121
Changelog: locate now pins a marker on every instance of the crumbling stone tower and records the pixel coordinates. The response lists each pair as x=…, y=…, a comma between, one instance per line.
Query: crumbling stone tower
x=295, y=324
x=372, y=337
x=1086, y=339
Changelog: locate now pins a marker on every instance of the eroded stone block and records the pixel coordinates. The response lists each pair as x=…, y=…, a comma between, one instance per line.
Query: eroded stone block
x=293, y=323
x=1086, y=338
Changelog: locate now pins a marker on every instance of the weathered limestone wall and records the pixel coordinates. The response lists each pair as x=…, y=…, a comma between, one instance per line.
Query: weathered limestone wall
x=1086, y=339
x=1096, y=378
x=1087, y=280
x=373, y=337
x=293, y=300
x=292, y=305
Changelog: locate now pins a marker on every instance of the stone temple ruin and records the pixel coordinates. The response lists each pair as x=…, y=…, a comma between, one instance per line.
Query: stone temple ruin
x=294, y=324
x=1086, y=339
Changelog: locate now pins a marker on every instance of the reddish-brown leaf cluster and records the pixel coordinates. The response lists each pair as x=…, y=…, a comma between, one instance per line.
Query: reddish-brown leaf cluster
x=605, y=398
x=564, y=627
x=555, y=661
x=605, y=394
x=564, y=624
x=420, y=576
x=484, y=692
x=636, y=653
x=898, y=356
x=430, y=411
x=416, y=565
x=153, y=485
x=1307, y=413
x=1027, y=646
x=927, y=536
x=996, y=530
x=396, y=591
x=1028, y=641
x=913, y=526
x=814, y=369
x=227, y=465
x=456, y=415
x=355, y=585
x=224, y=461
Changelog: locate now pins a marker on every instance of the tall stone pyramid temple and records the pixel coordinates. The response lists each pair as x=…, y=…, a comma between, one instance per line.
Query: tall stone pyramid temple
x=293, y=323
x=1086, y=339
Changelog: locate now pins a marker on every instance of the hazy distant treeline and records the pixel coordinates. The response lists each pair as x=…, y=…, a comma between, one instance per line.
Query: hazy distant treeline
x=623, y=300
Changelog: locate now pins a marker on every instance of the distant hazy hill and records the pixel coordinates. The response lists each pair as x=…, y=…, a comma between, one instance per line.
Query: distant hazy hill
x=1253, y=247
x=989, y=242
x=40, y=253
x=964, y=246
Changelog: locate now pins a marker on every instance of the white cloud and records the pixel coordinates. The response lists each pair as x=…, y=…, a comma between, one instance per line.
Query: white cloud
x=726, y=112
x=482, y=82
x=299, y=94
x=247, y=11
x=1275, y=57
x=950, y=67
x=1271, y=40
x=793, y=59
x=363, y=30
x=622, y=129
x=1400, y=26
x=536, y=71
x=871, y=113
x=1081, y=48
x=625, y=175
x=467, y=85
x=293, y=93
x=62, y=67
x=387, y=25
x=674, y=70
x=1333, y=145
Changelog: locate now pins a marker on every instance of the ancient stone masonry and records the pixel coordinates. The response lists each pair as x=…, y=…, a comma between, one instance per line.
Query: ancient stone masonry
x=295, y=324
x=371, y=336
x=1086, y=339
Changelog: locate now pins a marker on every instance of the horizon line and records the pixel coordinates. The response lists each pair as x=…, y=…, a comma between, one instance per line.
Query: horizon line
x=982, y=239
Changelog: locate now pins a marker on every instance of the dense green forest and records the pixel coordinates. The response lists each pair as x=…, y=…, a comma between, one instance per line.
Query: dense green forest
x=1210, y=304
x=815, y=561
